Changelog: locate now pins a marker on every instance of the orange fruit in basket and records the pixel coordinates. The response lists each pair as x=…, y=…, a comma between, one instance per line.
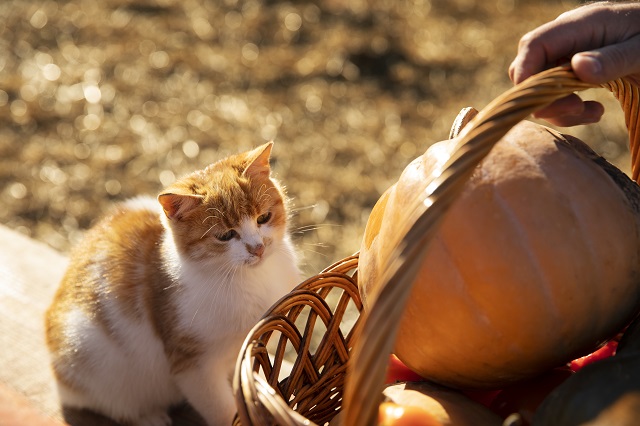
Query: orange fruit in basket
x=535, y=264
x=428, y=404
x=391, y=414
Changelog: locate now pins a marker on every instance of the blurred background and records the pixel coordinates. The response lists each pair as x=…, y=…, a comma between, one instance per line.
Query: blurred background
x=105, y=100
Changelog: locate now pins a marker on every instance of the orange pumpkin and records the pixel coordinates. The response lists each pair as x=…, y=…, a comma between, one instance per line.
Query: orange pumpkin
x=535, y=264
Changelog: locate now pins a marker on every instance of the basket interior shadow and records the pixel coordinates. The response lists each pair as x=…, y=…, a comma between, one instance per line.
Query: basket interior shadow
x=340, y=352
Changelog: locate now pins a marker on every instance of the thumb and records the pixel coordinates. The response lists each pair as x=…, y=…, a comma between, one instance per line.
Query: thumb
x=609, y=62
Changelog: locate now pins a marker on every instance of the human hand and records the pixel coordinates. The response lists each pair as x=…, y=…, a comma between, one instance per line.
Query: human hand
x=602, y=41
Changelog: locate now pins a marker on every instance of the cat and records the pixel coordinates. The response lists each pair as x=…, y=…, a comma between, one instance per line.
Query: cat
x=159, y=295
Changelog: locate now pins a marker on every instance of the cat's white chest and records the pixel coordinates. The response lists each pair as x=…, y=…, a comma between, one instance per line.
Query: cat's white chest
x=217, y=305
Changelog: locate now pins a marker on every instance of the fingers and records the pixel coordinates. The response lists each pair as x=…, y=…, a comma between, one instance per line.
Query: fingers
x=570, y=105
x=571, y=111
x=602, y=41
x=552, y=44
x=608, y=63
x=597, y=66
x=532, y=54
x=607, y=35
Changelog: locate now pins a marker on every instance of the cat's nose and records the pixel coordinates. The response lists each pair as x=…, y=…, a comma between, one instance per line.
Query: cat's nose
x=256, y=250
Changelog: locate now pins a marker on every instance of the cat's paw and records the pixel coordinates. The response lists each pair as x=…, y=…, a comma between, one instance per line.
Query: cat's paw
x=159, y=418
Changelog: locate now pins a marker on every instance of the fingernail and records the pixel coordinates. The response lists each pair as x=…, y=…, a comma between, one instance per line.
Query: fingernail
x=588, y=63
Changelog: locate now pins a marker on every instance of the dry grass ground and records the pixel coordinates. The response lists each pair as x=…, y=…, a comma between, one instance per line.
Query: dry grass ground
x=104, y=100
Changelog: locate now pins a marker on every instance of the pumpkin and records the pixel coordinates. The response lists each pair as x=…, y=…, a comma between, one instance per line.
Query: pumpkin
x=535, y=264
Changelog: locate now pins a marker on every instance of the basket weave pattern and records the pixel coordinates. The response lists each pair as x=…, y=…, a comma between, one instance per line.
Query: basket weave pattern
x=315, y=384
x=346, y=371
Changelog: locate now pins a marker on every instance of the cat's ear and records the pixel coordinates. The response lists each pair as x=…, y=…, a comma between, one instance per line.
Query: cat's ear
x=259, y=161
x=176, y=205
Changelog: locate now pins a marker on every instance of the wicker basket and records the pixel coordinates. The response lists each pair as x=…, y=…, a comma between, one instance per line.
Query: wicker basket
x=333, y=358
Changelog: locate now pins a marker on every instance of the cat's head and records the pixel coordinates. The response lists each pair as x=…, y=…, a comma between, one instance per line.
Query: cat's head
x=231, y=211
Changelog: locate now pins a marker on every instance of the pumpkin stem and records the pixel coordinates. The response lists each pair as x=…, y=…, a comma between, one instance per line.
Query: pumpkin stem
x=464, y=116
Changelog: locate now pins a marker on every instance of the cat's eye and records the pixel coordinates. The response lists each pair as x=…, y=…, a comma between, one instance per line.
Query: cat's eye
x=264, y=218
x=227, y=235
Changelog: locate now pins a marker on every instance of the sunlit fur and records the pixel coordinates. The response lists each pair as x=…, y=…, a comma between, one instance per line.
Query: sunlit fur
x=154, y=306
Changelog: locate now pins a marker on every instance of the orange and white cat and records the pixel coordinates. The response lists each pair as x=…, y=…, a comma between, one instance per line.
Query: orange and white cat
x=158, y=297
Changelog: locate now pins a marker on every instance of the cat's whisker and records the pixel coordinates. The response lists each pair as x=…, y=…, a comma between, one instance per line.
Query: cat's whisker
x=217, y=210
x=321, y=245
x=207, y=290
x=169, y=287
x=229, y=276
x=299, y=209
x=226, y=286
x=212, y=291
x=208, y=286
x=263, y=194
x=320, y=225
x=207, y=231
x=307, y=228
x=210, y=217
x=316, y=252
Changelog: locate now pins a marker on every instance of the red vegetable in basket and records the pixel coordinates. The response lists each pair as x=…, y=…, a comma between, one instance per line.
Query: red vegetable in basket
x=398, y=372
x=534, y=265
x=606, y=351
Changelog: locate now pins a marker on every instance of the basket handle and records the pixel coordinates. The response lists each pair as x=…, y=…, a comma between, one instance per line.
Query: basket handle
x=369, y=358
x=628, y=94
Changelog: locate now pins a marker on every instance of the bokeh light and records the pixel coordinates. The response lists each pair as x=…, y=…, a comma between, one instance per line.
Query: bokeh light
x=105, y=100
